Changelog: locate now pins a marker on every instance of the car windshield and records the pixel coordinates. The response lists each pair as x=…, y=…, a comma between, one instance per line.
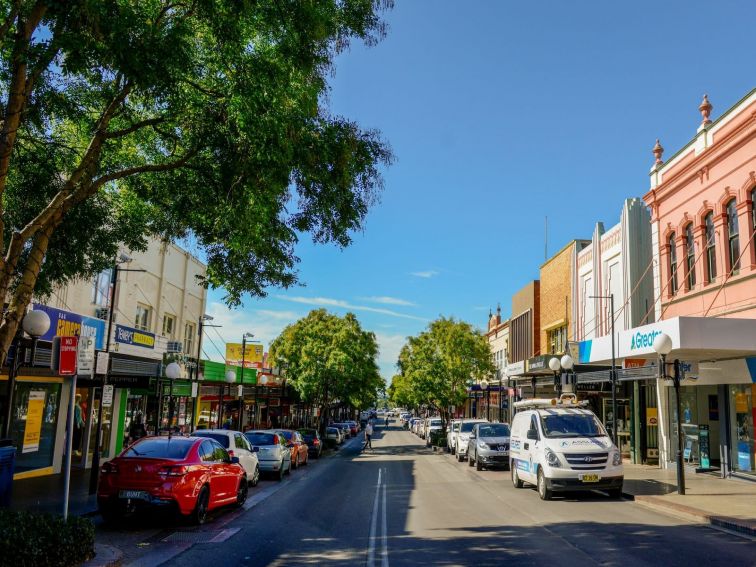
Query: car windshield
x=332, y=431
x=560, y=425
x=493, y=430
x=160, y=448
x=466, y=427
x=219, y=437
x=435, y=423
x=287, y=435
x=261, y=438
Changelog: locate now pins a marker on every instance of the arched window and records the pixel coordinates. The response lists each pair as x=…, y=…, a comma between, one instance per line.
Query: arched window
x=672, y=264
x=690, y=257
x=733, y=248
x=753, y=209
x=711, y=254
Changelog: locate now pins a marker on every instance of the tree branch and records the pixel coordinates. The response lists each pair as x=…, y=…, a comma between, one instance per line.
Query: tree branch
x=147, y=168
x=133, y=128
x=9, y=19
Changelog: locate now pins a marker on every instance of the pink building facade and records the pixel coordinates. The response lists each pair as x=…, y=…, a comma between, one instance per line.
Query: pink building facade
x=703, y=223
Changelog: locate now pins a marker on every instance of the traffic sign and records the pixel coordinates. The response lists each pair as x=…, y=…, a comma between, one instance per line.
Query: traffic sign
x=85, y=356
x=107, y=395
x=67, y=358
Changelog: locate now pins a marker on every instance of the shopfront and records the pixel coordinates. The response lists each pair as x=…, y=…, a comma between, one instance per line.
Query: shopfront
x=717, y=360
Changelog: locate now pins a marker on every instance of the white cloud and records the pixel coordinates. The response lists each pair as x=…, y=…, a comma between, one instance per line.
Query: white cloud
x=328, y=302
x=425, y=274
x=386, y=300
x=390, y=346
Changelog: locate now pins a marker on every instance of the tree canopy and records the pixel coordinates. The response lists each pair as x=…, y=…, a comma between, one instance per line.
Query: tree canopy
x=328, y=358
x=208, y=119
x=436, y=365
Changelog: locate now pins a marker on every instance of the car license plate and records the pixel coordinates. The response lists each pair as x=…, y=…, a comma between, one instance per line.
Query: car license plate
x=590, y=477
x=133, y=494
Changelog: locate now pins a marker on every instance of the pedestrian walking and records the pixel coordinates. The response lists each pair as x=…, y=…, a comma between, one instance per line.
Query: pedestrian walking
x=368, y=435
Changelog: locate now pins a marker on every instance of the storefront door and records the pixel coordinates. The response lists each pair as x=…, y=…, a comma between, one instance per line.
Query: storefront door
x=742, y=419
x=106, y=426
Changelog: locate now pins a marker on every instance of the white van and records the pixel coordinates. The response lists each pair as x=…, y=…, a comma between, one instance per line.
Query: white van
x=559, y=445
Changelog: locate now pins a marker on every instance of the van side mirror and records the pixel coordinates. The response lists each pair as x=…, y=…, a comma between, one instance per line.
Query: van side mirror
x=533, y=434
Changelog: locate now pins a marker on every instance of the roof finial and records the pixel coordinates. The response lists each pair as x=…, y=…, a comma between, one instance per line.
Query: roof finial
x=705, y=109
x=658, y=151
x=498, y=308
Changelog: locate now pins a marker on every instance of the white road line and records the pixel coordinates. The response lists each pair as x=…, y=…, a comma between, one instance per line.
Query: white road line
x=373, y=524
x=384, y=553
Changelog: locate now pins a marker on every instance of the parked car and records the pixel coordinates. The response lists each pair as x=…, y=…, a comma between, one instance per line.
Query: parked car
x=312, y=438
x=432, y=425
x=488, y=446
x=451, y=434
x=297, y=446
x=237, y=446
x=465, y=428
x=345, y=429
x=334, y=435
x=354, y=427
x=273, y=452
x=561, y=445
x=192, y=475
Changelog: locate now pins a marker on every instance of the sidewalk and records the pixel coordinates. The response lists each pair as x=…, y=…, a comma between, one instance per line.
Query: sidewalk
x=45, y=494
x=727, y=503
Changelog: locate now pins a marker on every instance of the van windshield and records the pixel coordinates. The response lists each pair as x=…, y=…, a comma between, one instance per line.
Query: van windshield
x=435, y=423
x=466, y=427
x=572, y=425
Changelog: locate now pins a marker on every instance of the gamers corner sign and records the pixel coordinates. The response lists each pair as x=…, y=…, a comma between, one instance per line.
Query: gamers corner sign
x=135, y=337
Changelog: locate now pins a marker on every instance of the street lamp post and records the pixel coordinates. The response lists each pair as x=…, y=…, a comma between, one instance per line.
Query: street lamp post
x=557, y=365
x=172, y=372
x=245, y=336
x=484, y=387
x=663, y=346
x=34, y=324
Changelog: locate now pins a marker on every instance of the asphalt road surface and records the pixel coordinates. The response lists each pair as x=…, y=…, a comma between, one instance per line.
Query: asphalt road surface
x=403, y=504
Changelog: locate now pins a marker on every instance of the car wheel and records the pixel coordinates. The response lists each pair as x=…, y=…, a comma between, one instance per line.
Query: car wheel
x=516, y=478
x=241, y=492
x=199, y=516
x=543, y=490
x=478, y=464
x=470, y=461
x=255, y=477
x=460, y=458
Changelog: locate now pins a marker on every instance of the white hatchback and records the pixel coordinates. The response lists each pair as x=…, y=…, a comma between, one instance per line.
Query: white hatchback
x=237, y=445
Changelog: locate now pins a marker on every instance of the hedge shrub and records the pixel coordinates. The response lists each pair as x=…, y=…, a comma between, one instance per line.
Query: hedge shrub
x=29, y=539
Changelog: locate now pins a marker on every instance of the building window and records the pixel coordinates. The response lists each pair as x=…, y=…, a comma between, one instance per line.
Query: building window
x=690, y=257
x=753, y=209
x=143, y=319
x=557, y=340
x=672, y=265
x=101, y=288
x=733, y=248
x=169, y=325
x=189, y=332
x=711, y=254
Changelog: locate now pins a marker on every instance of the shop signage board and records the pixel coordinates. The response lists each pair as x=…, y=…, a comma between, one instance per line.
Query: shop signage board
x=85, y=356
x=253, y=353
x=103, y=358
x=107, y=395
x=135, y=337
x=34, y=410
x=516, y=368
x=68, y=355
x=67, y=324
x=703, y=445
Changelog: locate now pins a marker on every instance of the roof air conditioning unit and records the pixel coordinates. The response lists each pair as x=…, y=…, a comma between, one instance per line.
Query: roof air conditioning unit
x=102, y=313
x=175, y=346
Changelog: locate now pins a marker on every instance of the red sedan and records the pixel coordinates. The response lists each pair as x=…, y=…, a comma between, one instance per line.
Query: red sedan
x=191, y=475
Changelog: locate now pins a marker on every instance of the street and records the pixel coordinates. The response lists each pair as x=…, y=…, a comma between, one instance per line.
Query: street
x=403, y=504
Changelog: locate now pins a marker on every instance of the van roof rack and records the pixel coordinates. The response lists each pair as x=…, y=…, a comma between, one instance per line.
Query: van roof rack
x=564, y=401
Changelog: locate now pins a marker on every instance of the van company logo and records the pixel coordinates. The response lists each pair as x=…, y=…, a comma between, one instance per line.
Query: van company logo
x=643, y=340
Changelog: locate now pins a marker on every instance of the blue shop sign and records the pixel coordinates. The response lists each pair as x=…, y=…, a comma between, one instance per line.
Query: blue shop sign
x=67, y=324
x=135, y=337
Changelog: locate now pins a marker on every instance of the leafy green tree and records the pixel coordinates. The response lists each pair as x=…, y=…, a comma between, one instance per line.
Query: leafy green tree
x=201, y=119
x=436, y=365
x=328, y=358
x=400, y=392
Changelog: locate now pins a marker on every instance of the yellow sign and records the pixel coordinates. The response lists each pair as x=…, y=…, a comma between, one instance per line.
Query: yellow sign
x=252, y=353
x=652, y=416
x=34, y=410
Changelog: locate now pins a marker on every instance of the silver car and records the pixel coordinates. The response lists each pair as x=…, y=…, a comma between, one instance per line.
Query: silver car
x=488, y=445
x=273, y=454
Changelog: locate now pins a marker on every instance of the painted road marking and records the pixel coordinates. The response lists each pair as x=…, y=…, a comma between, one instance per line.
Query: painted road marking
x=380, y=498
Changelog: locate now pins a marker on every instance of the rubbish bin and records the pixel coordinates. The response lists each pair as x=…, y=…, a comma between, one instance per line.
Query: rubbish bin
x=7, y=465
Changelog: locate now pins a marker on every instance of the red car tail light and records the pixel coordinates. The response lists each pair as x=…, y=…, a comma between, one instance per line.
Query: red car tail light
x=173, y=471
x=109, y=468
x=316, y=441
x=231, y=453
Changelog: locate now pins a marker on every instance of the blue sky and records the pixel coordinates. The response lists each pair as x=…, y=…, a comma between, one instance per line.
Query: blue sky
x=501, y=113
